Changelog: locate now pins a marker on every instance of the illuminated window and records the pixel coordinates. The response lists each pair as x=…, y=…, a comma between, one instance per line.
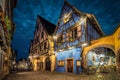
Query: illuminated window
x=61, y=63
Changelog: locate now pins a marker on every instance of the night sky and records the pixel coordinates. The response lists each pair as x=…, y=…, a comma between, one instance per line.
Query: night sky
x=25, y=13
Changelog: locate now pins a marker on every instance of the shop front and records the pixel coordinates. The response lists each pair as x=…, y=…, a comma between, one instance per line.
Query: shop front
x=69, y=61
x=101, y=60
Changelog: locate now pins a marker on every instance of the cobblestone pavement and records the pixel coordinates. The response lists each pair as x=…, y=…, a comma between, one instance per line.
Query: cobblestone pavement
x=44, y=75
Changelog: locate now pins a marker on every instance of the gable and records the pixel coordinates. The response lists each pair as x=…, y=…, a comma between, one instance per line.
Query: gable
x=49, y=27
x=42, y=31
x=68, y=17
x=66, y=12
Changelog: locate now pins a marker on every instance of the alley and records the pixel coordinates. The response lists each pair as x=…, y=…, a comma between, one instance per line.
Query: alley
x=59, y=76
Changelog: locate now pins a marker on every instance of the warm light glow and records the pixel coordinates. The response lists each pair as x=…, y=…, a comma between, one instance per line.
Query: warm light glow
x=85, y=44
x=82, y=20
x=60, y=50
x=71, y=47
x=67, y=16
x=55, y=37
x=6, y=58
x=30, y=57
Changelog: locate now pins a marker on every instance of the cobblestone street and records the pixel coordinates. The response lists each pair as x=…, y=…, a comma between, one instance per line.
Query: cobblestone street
x=59, y=76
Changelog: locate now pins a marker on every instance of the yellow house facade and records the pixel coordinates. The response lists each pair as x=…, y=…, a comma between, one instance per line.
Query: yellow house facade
x=42, y=47
x=117, y=47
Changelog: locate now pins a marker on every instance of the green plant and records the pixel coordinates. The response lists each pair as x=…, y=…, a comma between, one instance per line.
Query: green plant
x=8, y=25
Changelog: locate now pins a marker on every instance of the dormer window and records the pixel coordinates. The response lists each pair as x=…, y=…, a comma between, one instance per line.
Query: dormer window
x=42, y=35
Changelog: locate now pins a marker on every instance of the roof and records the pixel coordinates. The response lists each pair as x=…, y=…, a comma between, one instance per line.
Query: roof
x=90, y=16
x=49, y=27
x=94, y=21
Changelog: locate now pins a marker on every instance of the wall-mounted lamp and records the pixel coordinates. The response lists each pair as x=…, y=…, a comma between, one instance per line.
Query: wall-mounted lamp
x=84, y=44
x=55, y=37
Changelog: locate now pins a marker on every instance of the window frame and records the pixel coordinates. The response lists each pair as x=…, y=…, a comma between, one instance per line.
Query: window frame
x=42, y=35
x=73, y=34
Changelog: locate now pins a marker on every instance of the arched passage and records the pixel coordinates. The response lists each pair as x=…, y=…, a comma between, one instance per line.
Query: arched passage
x=101, y=59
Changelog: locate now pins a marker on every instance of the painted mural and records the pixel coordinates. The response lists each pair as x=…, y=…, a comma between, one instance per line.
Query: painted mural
x=101, y=61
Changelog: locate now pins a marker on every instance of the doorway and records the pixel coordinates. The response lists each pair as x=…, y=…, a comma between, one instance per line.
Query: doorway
x=47, y=64
x=70, y=65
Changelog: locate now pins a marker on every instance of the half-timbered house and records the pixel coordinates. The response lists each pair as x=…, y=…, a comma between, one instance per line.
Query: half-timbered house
x=74, y=31
x=43, y=47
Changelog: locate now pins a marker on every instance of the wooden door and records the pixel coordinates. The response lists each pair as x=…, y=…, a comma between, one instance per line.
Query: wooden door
x=70, y=65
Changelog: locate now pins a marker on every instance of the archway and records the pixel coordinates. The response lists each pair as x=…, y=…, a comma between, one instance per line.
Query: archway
x=118, y=60
x=101, y=59
x=47, y=64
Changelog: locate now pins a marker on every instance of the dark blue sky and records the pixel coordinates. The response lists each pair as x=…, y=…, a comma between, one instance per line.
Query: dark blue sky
x=106, y=12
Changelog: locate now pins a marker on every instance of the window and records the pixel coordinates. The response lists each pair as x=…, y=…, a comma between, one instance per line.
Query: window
x=61, y=63
x=73, y=34
x=60, y=40
x=45, y=45
x=37, y=39
x=42, y=35
x=40, y=48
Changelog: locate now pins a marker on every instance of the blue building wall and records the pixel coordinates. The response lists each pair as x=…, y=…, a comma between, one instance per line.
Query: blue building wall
x=70, y=53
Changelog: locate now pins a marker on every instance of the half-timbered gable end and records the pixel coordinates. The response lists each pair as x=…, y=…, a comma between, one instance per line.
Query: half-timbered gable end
x=45, y=33
x=75, y=27
x=43, y=44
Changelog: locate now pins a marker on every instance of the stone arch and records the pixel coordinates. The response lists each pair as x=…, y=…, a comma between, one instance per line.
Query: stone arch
x=101, y=45
x=111, y=47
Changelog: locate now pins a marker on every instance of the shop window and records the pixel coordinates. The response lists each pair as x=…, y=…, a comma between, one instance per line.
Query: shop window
x=73, y=34
x=78, y=63
x=42, y=35
x=61, y=63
